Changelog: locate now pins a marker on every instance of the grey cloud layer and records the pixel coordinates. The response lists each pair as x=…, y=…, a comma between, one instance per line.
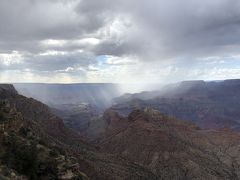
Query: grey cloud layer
x=152, y=30
x=181, y=27
x=52, y=63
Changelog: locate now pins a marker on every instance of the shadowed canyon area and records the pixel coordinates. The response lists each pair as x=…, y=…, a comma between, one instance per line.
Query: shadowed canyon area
x=187, y=130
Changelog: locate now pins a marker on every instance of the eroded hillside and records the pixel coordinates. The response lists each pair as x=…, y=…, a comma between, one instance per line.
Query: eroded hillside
x=170, y=148
x=37, y=145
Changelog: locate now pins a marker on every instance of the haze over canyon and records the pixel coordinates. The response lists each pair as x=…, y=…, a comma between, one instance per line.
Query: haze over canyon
x=119, y=90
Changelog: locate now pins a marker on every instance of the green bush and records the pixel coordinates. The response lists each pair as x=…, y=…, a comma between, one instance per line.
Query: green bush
x=21, y=157
x=24, y=158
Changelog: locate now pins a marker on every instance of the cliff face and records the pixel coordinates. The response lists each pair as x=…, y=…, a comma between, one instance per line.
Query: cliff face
x=7, y=90
x=173, y=149
x=35, y=112
x=28, y=152
x=211, y=105
x=36, y=145
x=146, y=144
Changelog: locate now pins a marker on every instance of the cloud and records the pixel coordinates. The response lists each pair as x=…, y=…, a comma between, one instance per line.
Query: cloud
x=166, y=29
x=68, y=36
x=47, y=62
x=117, y=61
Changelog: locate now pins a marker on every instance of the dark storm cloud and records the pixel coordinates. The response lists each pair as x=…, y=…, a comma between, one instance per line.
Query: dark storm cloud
x=46, y=19
x=176, y=28
x=27, y=22
x=151, y=30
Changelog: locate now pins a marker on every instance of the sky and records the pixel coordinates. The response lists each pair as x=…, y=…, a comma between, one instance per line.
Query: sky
x=119, y=41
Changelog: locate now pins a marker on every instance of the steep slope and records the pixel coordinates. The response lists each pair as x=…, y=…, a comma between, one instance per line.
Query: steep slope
x=27, y=151
x=172, y=149
x=76, y=104
x=76, y=116
x=37, y=145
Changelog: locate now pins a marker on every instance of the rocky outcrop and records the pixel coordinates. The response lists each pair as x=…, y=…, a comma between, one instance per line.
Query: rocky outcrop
x=28, y=154
x=7, y=90
x=174, y=149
